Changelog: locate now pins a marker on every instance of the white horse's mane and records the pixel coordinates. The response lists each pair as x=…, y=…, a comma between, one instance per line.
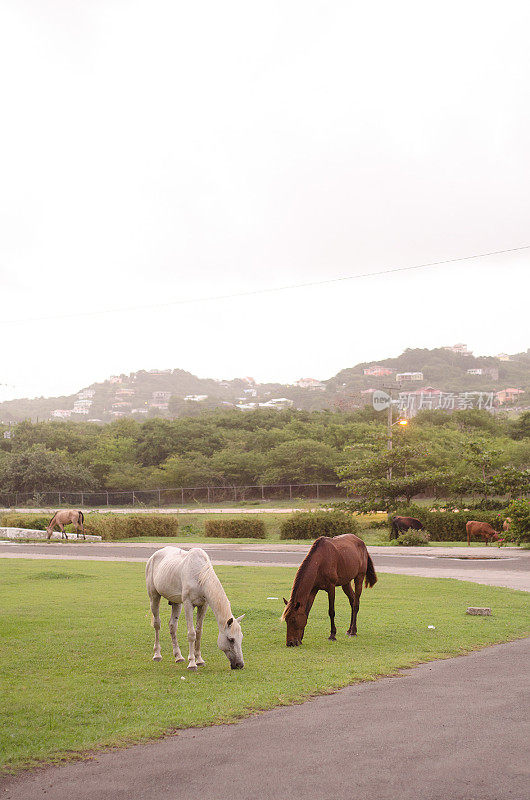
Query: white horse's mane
x=213, y=590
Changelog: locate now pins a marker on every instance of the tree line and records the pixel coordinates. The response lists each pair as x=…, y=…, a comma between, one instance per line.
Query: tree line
x=463, y=452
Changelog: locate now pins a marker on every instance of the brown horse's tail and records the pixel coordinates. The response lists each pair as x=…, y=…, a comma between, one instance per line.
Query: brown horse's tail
x=81, y=518
x=371, y=577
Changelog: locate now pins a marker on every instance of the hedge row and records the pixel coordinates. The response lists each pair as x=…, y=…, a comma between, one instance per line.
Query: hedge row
x=449, y=526
x=235, y=528
x=109, y=526
x=312, y=524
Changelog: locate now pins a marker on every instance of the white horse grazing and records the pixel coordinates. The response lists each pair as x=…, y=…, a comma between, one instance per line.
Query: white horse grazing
x=187, y=578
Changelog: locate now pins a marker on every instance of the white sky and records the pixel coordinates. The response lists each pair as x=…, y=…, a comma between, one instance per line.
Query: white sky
x=158, y=151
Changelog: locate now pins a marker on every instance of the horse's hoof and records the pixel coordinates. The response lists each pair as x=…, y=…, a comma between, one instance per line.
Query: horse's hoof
x=332, y=638
x=350, y=633
x=180, y=658
x=192, y=667
x=157, y=658
x=201, y=663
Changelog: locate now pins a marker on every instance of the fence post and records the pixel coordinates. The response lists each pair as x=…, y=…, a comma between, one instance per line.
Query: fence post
x=133, y=498
x=159, y=498
x=208, y=490
x=235, y=493
x=82, y=499
x=107, y=498
x=290, y=492
x=59, y=503
x=317, y=492
x=262, y=492
x=182, y=493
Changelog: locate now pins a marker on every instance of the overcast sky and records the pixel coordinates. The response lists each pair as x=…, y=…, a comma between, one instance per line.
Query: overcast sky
x=153, y=152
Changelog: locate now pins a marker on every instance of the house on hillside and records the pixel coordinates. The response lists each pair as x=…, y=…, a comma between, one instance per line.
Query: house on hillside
x=378, y=372
x=62, y=413
x=507, y=395
x=196, y=398
x=115, y=379
x=503, y=357
x=86, y=394
x=460, y=349
x=310, y=383
x=409, y=376
x=277, y=402
x=161, y=397
x=474, y=371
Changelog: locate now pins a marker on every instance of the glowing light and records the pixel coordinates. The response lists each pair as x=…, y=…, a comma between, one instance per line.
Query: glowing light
x=403, y=422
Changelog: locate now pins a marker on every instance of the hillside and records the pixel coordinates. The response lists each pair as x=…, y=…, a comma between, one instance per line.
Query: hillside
x=177, y=393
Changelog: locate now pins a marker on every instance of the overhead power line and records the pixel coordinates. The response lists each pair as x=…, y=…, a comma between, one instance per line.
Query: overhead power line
x=270, y=290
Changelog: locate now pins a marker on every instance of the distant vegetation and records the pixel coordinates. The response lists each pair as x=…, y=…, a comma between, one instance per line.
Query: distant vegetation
x=438, y=453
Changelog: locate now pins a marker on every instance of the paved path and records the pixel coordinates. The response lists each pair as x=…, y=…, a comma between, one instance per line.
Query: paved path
x=447, y=730
x=487, y=565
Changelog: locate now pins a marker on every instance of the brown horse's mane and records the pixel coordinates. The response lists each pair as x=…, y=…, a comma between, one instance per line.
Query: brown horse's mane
x=299, y=574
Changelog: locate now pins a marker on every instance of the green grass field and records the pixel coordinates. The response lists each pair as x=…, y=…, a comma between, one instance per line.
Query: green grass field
x=76, y=650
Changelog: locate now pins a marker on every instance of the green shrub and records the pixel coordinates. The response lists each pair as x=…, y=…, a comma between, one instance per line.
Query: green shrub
x=519, y=531
x=449, y=526
x=35, y=522
x=235, y=528
x=413, y=538
x=112, y=527
x=109, y=526
x=312, y=524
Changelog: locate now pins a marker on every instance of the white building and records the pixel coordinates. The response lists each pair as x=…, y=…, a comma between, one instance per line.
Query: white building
x=115, y=379
x=409, y=376
x=161, y=397
x=277, y=402
x=474, y=371
x=310, y=383
x=503, y=357
x=196, y=398
x=460, y=349
x=86, y=394
x=62, y=413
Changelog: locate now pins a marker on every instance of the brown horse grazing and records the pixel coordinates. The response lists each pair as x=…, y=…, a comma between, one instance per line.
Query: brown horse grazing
x=329, y=563
x=62, y=518
x=402, y=524
x=474, y=528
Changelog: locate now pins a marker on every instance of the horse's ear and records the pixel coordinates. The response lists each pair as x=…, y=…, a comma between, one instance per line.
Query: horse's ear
x=229, y=622
x=238, y=619
x=284, y=600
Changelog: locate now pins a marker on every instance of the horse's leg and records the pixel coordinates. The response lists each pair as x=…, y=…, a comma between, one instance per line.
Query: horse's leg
x=64, y=535
x=188, y=610
x=348, y=591
x=173, y=623
x=358, y=592
x=201, y=613
x=155, y=609
x=331, y=598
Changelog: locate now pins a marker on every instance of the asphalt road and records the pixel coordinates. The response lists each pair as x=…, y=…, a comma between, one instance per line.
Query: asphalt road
x=447, y=730
x=483, y=565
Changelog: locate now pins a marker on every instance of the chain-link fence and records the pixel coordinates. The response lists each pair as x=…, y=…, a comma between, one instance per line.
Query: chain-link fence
x=171, y=498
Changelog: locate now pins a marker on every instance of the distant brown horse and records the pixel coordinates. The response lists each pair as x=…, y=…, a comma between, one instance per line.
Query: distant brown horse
x=329, y=563
x=474, y=528
x=62, y=518
x=402, y=524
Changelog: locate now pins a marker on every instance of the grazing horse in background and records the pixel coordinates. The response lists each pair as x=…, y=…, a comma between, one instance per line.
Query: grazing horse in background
x=402, y=524
x=506, y=524
x=62, y=518
x=329, y=563
x=474, y=528
x=187, y=578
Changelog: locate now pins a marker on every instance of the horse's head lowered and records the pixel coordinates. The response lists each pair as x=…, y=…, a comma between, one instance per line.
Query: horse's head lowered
x=296, y=618
x=229, y=641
